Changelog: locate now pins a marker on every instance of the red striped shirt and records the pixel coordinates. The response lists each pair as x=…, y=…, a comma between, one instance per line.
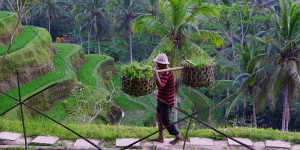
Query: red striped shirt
x=167, y=93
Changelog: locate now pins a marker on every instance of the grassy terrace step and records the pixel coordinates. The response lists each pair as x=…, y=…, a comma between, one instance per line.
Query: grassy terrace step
x=21, y=40
x=4, y=14
x=34, y=53
x=8, y=21
x=61, y=73
x=88, y=76
x=110, y=132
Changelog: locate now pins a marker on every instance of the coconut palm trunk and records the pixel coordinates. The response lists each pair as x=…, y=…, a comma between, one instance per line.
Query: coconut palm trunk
x=130, y=42
x=81, y=41
x=49, y=25
x=99, y=46
x=253, y=107
x=89, y=39
x=285, y=112
x=244, y=112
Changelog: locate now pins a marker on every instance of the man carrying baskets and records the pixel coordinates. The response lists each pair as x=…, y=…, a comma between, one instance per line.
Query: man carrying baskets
x=165, y=99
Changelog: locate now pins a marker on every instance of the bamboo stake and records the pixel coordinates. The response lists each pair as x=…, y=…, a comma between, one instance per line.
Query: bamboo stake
x=190, y=62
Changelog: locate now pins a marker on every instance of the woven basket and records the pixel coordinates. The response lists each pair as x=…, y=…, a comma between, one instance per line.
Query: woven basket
x=198, y=76
x=138, y=87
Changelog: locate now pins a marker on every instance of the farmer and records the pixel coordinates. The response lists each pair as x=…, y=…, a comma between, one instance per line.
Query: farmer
x=165, y=99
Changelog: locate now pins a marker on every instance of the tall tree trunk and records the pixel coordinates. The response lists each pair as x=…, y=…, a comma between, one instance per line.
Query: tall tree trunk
x=253, y=107
x=89, y=39
x=237, y=115
x=244, y=112
x=114, y=43
x=151, y=43
x=26, y=18
x=287, y=115
x=113, y=37
x=49, y=25
x=228, y=78
x=130, y=40
x=254, y=112
x=99, y=46
x=130, y=44
x=284, y=123
x=154, y=42
x=81, y=41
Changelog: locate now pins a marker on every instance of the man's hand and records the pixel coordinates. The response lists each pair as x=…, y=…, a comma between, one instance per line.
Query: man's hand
x=155, y=70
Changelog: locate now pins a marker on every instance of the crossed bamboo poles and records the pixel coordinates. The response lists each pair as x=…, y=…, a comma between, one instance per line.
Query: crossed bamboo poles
x=21, y=103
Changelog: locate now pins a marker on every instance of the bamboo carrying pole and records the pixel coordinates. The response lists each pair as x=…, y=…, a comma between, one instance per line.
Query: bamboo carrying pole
x=171, y=69
x=174, y=69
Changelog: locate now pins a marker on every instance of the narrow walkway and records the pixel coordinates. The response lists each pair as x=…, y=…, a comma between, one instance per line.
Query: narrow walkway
x=15, y=140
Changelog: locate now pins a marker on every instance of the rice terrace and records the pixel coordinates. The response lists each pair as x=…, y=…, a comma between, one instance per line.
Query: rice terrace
x=150, y=74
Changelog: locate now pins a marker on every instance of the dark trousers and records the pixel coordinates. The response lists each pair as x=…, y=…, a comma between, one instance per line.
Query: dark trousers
x=165, y=111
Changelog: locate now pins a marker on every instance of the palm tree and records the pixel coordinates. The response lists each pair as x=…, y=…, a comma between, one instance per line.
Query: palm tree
x=51, y=9
x=178, y=24
x=91, y=17
x=127, y=14
x=152, y=8
x=283, y=67
x=113, y=15
x=248, y=71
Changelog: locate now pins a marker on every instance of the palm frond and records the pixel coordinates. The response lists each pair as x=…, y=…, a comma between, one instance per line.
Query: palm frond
x=166, y=44
x=192, y=50
x=221, y=85
x=231, y=99
x=241, y=77
x=212, y=36
x=150, y=23
x=180, y=9
x=205, y=11
x=255, y=61
x=231, y=68
x=294, y=22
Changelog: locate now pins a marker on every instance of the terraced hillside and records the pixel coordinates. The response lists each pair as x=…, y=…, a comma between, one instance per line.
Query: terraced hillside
x=30, y=55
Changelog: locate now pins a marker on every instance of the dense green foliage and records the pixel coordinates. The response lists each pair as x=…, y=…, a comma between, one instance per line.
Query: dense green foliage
x=136, y=70
x=21, y=40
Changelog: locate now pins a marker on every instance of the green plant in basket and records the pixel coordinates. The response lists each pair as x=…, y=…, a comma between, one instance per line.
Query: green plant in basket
x=137, y=70
x=199, y=61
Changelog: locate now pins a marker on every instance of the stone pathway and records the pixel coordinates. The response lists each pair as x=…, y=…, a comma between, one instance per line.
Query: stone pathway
x=15, y=140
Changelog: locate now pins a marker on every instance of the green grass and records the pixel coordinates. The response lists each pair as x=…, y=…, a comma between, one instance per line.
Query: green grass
x=61, y=73
x=110, y=133
x=21, y=40
x=8, y=23
x=57, y=111
x=34, y=53
x=86, y=70
x=4, y=14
